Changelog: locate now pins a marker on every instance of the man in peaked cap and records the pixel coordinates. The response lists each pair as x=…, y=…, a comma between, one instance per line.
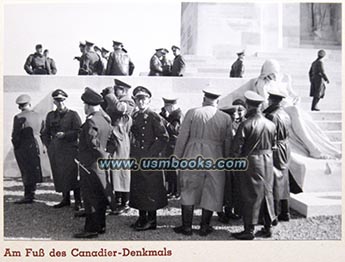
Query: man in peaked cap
x=27, y=147
x=60, y=136
x=95, y=183
x=149, y=139
x=173, y=117
x=119, y=62
x=205, y=131
x=37, y=63
x=119, y=106
x=179, y=64
x=318, y=78
x=156, y=66
x=254, y=140
x=237, y=68
x=51, y=62
x=281, y=156
x=90, y=62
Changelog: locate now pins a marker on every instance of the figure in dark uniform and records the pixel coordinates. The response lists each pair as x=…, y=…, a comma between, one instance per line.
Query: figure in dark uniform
x=37, y=63
x=120, y=106
x=166, y=64
x=281, y=154
x=237, y=68
x=90, y=61
x=149, y=141
x=26, y=142
x=174, y=117
x=80, y=58
x=95, y=183
x=254, y=140
x=60, y=136
x=317, y=77
x=119, y=62
x=51, y=62
x=156, y=66
x=179, y=64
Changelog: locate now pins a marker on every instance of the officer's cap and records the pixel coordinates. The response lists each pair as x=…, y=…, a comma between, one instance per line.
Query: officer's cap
x=169, y=100
x=91, y=97
x=120, y=84
x=141, y=91
x=59, y=94
x=117, y=43
x=82, y=43
x=174, y=47
x=88, y=43
x=243, y=52
x=23, y=99
x=104, y=50
x=97, y=48
x=253, y=98
x=39, y=46
x=228, y=109
x=276, y=94
x=321, y=53
x=239, y=102
x=162, y=50
x=211, y=94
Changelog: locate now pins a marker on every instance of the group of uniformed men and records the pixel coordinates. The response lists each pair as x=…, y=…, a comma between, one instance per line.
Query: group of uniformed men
x=99, y=61
x=118, y=126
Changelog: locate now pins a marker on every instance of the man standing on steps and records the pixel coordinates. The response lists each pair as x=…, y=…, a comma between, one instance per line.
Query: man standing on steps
x=119, y=62
x=237, y=68
x=179, y=64
x=317, y=77
x=206, y=131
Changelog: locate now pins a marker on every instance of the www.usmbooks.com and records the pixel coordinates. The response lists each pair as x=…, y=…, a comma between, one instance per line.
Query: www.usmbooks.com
x=172, y=163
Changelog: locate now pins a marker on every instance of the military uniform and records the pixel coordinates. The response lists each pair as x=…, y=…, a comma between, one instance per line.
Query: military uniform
x=255, y=139
x=281, y=156
x=149, y=139
x=156, y=67
x=172, y=124
x=37, y=64
x=179, y=66
x=119, y=63
x=27, y=146
x=63, y=150
x=52, y=66
x=120, y=110
x=95, y=184
x=237, y=69
x=317, y=77
x=205, y=131
x=90, y=64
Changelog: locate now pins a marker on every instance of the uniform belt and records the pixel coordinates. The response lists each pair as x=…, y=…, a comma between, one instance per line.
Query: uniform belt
x=261, y=152
x=206, y=141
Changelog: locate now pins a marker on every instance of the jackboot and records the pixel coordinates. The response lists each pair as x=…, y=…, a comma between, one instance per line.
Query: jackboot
x=151, y=222
x=205, y=228
x=314, y=104
x=141, y=219
x=247, y=234
x=187, y=221
x=284, y=214
x=66, y=200
x=77, y=199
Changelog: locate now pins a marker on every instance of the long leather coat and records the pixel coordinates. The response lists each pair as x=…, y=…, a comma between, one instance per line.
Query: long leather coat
x=62, y=151
x=119, y=63
x=27, y=145
x=317, y=77
x=149, y=140
x=281, y=154
x=179, y=66
x=156, y=66
x=255, y=139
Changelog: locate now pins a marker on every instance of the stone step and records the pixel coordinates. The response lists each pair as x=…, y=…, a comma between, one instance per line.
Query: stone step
x=326, y=115
x=334, y=135
x=329, y=125
x=317, y=204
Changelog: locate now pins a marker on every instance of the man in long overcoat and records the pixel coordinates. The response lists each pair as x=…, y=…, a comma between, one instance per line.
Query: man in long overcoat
x=281, y=154
x=90, y=61
x=255, y=139
x=317, y=77
x=27, y=147
x=95, y=183
x=37, y=63
x=149, y=140
x=205, y=131
x=60, y=136
x=120, y=107
x=156, y=66
x=179, y=64
x=237, y=68
x=119, y=62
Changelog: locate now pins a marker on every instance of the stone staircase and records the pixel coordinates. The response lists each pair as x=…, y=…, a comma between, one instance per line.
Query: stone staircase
x=296, y=63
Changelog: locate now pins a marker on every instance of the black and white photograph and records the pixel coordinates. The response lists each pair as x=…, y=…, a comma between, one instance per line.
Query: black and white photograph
x=164, y=121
